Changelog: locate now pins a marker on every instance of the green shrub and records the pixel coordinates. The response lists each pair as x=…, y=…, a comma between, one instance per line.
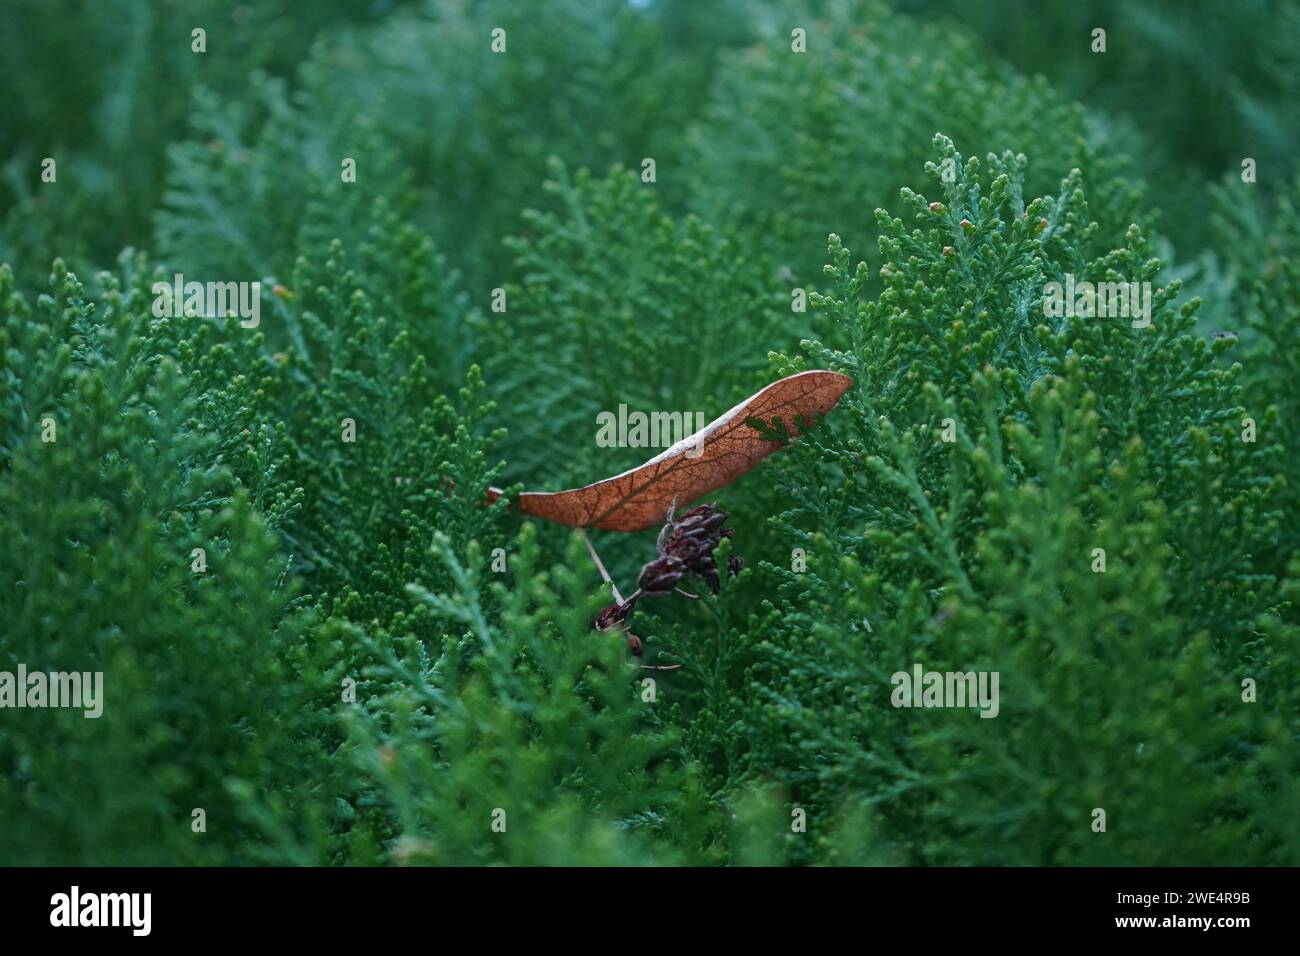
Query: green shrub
x=798, y=146
x=1070, y=435
x=369, y=664
x=104, y=89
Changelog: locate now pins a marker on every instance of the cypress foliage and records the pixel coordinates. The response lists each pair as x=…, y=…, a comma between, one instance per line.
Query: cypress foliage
x=322, y=645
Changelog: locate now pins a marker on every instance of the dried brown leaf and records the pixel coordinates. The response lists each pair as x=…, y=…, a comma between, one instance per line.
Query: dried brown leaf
x=640, y=498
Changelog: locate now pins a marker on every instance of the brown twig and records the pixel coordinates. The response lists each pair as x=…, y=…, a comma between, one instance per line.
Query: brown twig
x=600, y=566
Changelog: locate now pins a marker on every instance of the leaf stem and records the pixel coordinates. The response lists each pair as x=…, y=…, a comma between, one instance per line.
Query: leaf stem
x=600, y=566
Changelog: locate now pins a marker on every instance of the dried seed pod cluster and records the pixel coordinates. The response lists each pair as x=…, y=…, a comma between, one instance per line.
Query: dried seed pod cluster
x=615, y=615
x=685, y=547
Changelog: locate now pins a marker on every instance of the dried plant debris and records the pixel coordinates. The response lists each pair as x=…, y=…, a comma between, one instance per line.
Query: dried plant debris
x=715, y=456
x=685, y=547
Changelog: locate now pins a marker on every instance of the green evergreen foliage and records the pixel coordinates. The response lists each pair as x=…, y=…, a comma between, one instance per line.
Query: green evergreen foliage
x=99, y=527
x=1236, y=62
x=620, y=93
x=856, y=116
x=105, y=89
x=370, y=664
x=1262, y=242
x=1235, y=67
x=629, y=306
x=982, y=552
